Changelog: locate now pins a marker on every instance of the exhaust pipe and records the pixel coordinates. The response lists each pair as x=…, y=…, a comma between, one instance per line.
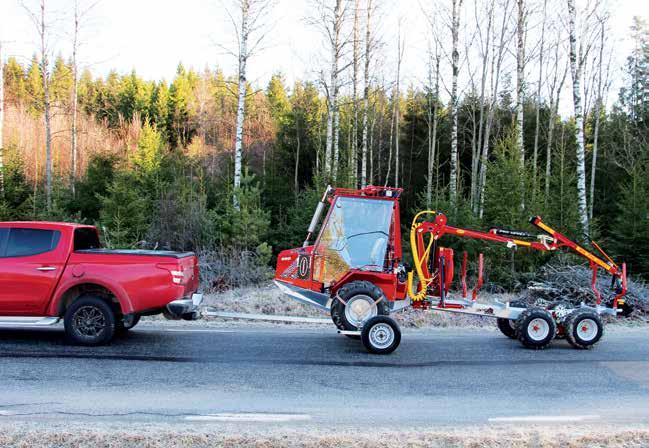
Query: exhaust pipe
x=316, y=216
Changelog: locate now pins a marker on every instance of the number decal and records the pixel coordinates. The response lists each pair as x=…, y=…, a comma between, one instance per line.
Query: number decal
x=303, y=267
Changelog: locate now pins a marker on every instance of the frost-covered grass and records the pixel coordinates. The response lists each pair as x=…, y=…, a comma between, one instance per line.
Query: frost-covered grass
x=268, y=299
x=157, y=435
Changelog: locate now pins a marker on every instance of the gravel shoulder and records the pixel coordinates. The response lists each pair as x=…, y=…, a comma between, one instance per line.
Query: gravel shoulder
x=539, y=436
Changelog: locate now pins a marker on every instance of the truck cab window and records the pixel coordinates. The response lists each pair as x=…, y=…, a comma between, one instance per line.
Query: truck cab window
x=26, y=242
x=86, y=238
x=4, y=233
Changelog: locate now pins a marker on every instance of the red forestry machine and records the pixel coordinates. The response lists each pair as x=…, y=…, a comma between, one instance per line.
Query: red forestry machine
x=355, y=270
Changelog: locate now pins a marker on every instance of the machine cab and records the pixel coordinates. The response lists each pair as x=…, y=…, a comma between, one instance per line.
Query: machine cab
x=360, y=233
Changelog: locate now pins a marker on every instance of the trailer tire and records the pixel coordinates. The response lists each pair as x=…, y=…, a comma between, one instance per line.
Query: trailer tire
x=381, y=335
x=508, y=326
x=363, y=292
x=584, y=328
x=90, y=321
x=536, y=328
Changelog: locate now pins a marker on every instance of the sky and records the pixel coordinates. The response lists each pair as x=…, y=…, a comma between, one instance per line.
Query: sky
x=153, y=36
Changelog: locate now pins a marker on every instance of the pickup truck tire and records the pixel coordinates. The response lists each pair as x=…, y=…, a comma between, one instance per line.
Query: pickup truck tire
x=124, y=324
x=89, y=321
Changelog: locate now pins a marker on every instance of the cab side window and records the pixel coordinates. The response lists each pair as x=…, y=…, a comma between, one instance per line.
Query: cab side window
x=26, y=242
x=4, y=233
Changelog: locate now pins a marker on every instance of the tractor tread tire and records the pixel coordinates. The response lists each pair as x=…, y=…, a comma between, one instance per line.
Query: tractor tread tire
x=523, y=321
x=573, y=320
x=349, y=290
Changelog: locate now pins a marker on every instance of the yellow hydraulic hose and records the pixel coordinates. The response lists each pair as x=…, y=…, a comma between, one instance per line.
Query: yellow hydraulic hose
x=423, y=281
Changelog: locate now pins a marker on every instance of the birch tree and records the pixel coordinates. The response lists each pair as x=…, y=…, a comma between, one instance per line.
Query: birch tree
x=520, y=79
x=250, y=32
x=432, y=116
x=331, y=21
x=559, y=73
x=455, y=58
x=602, y=89
x=495, y=69
x=40, y=19
x=397, y=107
x=576, y=68
x=366, y=91
x=539, y=100
x=79, y=14
x=353, y=158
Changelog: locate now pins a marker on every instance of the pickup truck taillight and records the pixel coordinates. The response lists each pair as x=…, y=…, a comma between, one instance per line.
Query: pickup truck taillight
x=176, y=271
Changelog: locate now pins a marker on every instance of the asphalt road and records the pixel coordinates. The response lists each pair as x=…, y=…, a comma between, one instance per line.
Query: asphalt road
x=176, y=375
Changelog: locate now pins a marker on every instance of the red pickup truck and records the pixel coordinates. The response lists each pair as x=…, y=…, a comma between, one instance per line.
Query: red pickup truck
x=52, y=271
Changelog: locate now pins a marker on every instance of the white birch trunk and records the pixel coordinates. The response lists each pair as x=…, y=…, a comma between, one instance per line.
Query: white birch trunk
x=455, y=58
x=331, y=148
x=496, y=64
x=356, y=56
x=366, y=95
x=598, y=113
x=75, y=101
x=537, y=128
x=397, y=112
x=46, y=106
x=241, y=102
x=520, y=80
x=576, y=70
x=432, y=136
x=483, y=84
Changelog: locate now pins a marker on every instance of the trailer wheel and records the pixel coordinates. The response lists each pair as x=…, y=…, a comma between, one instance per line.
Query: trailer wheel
x=536, y=328
x=381, y=335
x=584, y=328
x=363, y=300
x=508, y=326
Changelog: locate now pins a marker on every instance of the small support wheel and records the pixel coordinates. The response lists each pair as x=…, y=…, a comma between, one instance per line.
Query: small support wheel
x=584, y=328
x=508, y=326
x=381, y=335
x=536, y=328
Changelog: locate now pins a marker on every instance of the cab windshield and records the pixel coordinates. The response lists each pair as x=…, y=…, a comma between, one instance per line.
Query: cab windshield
x=355, y=236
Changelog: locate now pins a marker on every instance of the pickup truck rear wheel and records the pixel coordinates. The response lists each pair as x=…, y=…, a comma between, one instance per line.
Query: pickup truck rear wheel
x=89, y=321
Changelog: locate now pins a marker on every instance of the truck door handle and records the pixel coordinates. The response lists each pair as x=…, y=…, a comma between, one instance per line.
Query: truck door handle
x=46, y=268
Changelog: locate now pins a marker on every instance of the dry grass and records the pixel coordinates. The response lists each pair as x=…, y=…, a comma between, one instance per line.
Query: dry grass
x=64, y=436
x=270, y=300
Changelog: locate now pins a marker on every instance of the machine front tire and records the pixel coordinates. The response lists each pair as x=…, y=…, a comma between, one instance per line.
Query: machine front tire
x=381, y=335
x=584, y=328
x=536, y=328
x=362, y=296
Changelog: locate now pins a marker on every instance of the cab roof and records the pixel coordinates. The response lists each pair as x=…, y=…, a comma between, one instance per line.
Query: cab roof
x=44, y=224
